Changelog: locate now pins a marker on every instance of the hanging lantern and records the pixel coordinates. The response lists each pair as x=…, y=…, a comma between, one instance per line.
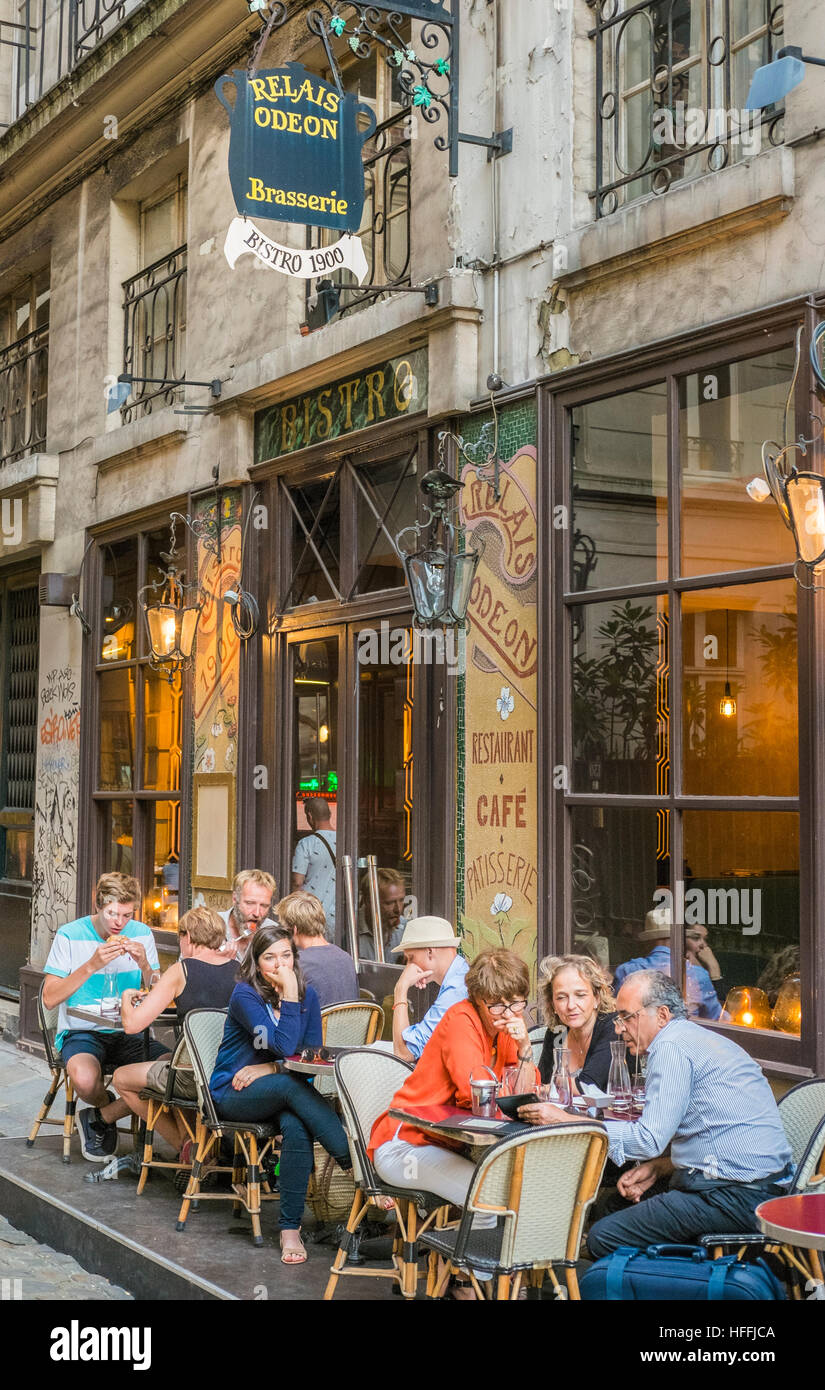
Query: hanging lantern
x=727, y=704
x=787, y=1011
x=439, y=575
x=749, y=1007
x=171, y=611
x=805, y=496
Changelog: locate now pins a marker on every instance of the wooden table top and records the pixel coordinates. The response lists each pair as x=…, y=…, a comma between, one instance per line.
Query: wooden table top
x=795, y=1220
x=454, y=1122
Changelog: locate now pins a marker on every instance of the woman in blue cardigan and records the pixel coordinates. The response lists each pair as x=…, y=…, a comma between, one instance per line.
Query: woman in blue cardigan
x=272, y=1015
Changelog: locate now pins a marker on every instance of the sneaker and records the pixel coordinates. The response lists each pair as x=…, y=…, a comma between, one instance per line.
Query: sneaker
x=98, y=1140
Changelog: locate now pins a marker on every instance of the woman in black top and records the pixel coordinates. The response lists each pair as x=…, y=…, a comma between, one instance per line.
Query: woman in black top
x=577, y=995
x=203, y=978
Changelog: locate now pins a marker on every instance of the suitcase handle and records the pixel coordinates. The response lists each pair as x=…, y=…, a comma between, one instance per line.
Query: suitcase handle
x=695, y=1252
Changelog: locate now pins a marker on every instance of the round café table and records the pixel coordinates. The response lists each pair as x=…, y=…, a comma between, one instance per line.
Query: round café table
x=797, y=1223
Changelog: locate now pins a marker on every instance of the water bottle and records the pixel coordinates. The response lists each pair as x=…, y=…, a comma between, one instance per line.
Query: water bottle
x=618, y=1082
x=110, y=996
x=561, y=1076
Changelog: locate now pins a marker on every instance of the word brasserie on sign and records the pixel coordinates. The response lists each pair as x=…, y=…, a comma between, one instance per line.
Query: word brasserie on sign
x=295, y=147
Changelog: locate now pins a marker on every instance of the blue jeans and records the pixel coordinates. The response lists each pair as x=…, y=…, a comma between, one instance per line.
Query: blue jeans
x=303, y=1117
x=697, y=1207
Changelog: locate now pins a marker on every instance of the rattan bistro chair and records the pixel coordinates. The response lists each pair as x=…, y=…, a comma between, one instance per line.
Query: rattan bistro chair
x=47, y=1019
x=203, y=1032
x=802, y=1112
x=366, y=1080
x=541, y=1186
x=165, y=1100
x=356, y=1024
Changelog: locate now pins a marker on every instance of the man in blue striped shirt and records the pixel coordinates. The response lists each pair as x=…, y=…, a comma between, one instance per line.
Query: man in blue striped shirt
x=709, y=1104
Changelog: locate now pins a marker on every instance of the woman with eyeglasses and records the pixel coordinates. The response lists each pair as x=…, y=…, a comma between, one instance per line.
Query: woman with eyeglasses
x=487, y=1029
x=273, y=1014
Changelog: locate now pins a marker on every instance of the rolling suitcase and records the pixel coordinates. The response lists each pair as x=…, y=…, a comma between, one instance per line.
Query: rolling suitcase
x=678, y=1272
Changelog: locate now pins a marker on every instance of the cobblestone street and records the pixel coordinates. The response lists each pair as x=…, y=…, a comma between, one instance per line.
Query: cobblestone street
x=30, y=1271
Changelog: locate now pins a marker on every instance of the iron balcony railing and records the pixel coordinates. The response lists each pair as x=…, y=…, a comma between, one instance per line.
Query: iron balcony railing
x=154, y=332
x=24, y=378
x=49, y=39
x=384, y=231
x=671, y=81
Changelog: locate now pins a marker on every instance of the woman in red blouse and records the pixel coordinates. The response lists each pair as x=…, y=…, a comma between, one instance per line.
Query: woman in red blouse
x=488, y=1029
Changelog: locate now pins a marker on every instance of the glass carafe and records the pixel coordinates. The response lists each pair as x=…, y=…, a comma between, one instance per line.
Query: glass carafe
x=561, y=1076
x=618, y=1082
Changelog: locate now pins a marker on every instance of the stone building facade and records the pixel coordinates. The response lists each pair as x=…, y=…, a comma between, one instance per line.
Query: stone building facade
x=628, y=280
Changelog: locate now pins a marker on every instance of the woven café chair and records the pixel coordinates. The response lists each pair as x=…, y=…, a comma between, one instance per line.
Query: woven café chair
x=802, y=1112
x=366, y=1080
x=541, y=1185
x=166, y=1100
x=47, y=1019
x=203, y=1033
x=331, y=1189
x=356, y=1024
x=536, y=1036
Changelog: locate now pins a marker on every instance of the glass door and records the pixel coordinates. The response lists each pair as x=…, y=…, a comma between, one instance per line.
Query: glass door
x=384, y=695
x=350, y=695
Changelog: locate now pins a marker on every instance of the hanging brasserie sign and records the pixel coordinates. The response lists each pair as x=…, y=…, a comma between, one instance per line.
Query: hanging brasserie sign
x=294, y=156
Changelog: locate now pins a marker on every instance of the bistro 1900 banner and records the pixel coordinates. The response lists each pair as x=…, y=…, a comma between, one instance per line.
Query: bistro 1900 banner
x=295, y=147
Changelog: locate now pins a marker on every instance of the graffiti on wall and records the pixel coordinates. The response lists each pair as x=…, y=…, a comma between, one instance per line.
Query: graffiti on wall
x=55, y=817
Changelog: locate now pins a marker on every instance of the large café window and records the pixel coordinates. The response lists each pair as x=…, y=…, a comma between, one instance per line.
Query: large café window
x=684, y=734
x=138, y=729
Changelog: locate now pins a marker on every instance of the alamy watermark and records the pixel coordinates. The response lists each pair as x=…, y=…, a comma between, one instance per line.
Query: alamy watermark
x=713, y=907
x=685, y=127
x=401, y=646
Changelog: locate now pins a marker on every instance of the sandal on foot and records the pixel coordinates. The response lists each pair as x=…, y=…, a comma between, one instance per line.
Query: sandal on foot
x=291, y=1254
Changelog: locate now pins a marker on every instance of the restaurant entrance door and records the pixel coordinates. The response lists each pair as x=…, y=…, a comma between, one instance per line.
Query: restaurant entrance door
x=350, y=707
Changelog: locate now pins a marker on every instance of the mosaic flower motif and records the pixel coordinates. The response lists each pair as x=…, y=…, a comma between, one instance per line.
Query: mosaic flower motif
x=442, y=67
x=208, y=760
x=337, y=25
x=422, y=96
x=505, y=704
x=502, y=902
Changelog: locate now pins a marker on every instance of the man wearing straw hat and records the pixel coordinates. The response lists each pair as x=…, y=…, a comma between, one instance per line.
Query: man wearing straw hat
x=430, y=948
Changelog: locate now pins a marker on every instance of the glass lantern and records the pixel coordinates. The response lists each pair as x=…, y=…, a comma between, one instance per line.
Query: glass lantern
x=749, y=1007
x=787, y=1011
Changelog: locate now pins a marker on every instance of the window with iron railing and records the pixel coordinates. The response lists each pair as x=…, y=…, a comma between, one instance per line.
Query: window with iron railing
x=154, y=330
x=672, y=77
x=24, y=368
x=385, y=221
x=47, y=39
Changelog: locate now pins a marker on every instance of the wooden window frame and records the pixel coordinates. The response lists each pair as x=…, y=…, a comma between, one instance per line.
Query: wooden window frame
x=733, y=340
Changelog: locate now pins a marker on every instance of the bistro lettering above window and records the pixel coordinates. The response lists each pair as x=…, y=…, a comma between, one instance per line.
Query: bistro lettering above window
x=385, y=392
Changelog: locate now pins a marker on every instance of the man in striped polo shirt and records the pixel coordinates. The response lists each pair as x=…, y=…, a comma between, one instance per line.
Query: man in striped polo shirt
x=80, y=954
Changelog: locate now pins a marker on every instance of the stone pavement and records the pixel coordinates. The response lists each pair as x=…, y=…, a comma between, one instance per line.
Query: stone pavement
x=29, y=1270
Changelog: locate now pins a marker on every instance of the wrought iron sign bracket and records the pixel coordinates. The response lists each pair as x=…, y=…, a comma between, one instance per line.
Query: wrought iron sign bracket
x=428, y=74
x=500, y=142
